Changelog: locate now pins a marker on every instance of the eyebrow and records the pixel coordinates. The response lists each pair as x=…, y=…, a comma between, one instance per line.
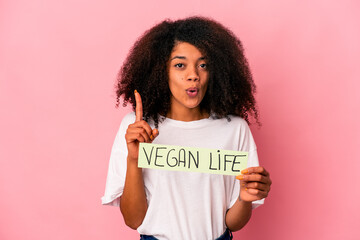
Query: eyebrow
x=182, y=57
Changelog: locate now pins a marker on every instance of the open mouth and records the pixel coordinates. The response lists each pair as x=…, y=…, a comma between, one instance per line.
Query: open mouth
x=192, y=92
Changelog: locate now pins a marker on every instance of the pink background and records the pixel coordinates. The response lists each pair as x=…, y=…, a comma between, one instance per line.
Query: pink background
x=58, y=62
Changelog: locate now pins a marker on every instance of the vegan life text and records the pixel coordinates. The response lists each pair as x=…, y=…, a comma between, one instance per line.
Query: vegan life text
x=178, y=158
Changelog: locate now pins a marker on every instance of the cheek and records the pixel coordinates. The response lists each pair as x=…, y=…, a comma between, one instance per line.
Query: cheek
x=175, y=86
x=206, y=82
x=176, y=81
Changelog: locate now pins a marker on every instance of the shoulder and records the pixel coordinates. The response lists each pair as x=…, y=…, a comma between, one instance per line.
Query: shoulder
x=238, y=120
x=125, y=122
x=235, y=122
x=128, y=119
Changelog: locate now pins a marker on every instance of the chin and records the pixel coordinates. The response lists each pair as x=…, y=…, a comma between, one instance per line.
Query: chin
x=192, y=104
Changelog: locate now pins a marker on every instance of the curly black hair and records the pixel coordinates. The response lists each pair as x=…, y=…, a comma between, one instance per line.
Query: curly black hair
x=231, y=87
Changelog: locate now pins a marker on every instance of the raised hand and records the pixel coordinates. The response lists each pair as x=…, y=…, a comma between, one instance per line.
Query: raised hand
x=139, y=131
x=254, y=184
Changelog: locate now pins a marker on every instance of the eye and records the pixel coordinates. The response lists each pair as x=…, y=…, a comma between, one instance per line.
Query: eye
x=203, y=65
x=179, y=65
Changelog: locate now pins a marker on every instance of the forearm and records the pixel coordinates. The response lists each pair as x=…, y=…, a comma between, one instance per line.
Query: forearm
x=133, y=204
x=238, y=215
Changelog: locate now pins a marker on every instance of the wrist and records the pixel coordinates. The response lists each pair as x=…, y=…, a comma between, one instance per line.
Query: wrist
x=246, y=202
x=132, y=162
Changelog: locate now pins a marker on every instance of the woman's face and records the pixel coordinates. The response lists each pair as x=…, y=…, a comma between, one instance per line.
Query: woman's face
x=188, y=78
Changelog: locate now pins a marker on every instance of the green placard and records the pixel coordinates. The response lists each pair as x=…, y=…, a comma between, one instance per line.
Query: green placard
x=191, y=159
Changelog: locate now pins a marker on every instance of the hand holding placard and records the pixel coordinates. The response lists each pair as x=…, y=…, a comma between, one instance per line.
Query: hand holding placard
x=190, y=159
x=255, y=184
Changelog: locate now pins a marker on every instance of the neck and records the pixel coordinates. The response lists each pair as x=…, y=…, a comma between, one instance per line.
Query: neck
x=187, y=115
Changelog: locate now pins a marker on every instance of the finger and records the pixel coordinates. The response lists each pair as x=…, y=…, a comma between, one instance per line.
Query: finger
x=253, y=178
x=134, y=132
x=134, y=137
x=260, y=194
x=138, y=108
x=257, y=185
x=154, y=134
x=242, y=184
x=142, y=124
x=259, y=170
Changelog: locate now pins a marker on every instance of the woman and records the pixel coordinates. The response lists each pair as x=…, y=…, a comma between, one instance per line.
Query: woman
x=196, y=90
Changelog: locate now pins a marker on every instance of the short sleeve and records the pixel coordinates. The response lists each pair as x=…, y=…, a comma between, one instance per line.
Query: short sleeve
x=247, y=144
x=117, y=165
x=252, y=162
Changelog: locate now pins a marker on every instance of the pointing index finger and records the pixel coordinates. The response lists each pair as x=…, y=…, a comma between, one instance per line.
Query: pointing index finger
x=138, y=108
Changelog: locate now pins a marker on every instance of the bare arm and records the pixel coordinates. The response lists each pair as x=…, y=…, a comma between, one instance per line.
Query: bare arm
x=254, y=185
x=133, y=204
x=238, y=215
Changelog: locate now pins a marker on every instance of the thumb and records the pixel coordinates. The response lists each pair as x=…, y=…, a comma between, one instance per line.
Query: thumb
x=154, y=134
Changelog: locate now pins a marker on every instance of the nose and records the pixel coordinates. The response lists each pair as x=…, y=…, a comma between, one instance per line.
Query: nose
x=193, y=74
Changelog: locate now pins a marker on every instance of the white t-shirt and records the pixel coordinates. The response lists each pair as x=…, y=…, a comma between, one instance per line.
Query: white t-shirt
x=184, y=205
